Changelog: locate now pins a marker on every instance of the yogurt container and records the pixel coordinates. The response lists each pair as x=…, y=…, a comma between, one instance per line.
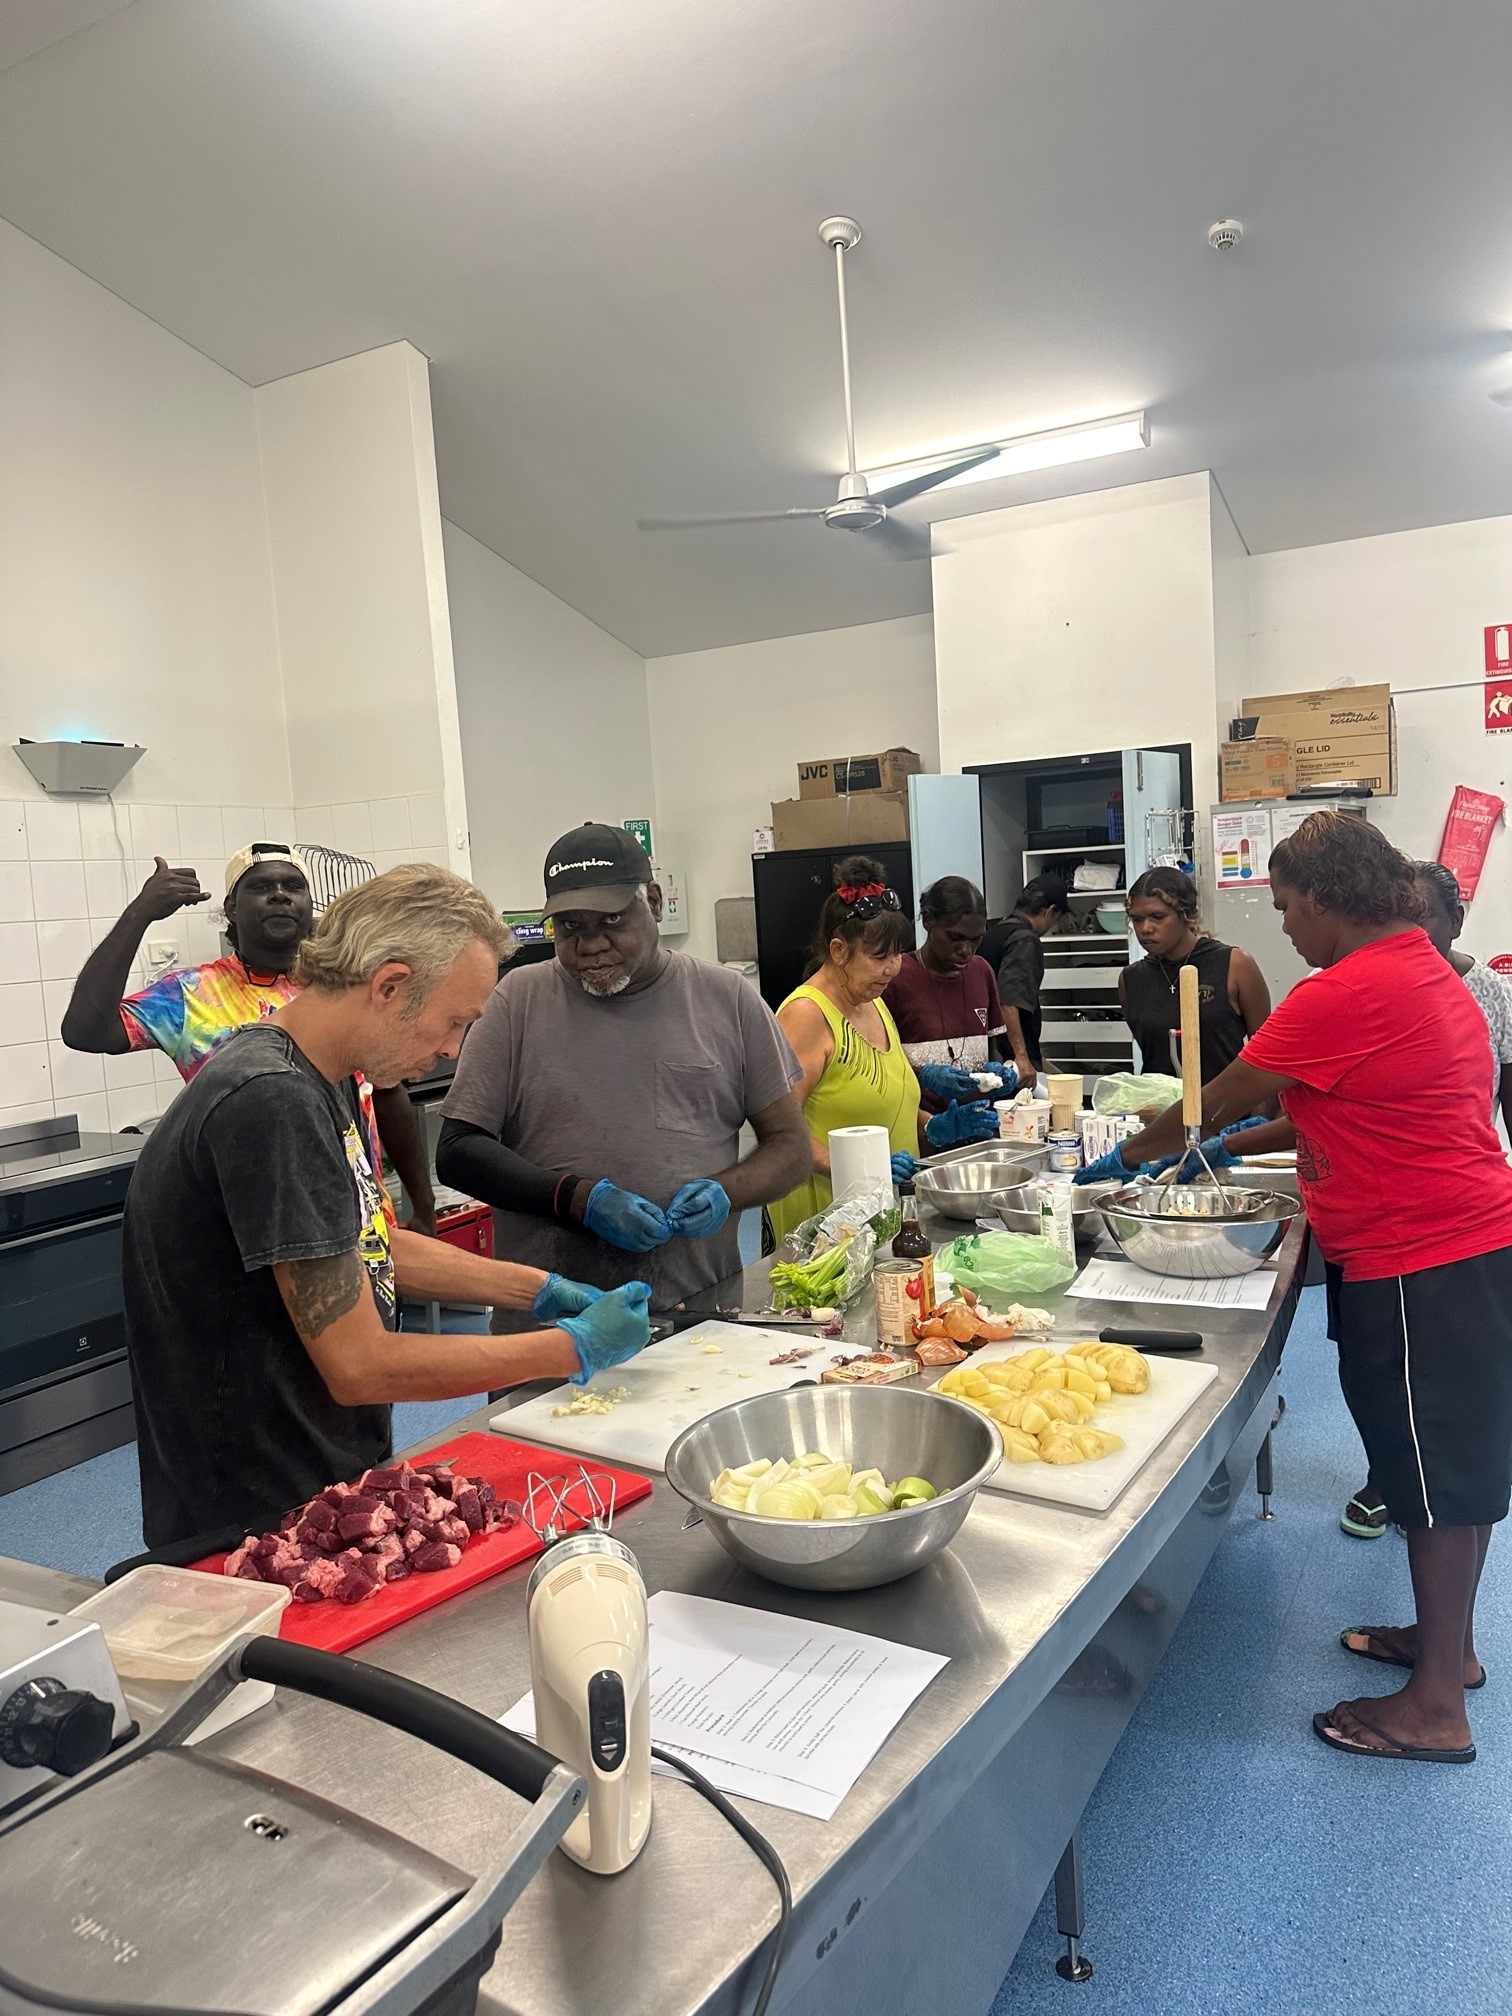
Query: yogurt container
x=1026, y=1120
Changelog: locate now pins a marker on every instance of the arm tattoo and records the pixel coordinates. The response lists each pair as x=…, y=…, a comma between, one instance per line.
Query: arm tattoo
x=321, y=1291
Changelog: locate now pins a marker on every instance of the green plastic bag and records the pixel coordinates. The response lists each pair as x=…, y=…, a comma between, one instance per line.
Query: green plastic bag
x=1005, y=1266
x=1128, y=1092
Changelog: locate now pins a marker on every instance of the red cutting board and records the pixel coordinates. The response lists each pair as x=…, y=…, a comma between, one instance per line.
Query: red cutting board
x=337, y=1627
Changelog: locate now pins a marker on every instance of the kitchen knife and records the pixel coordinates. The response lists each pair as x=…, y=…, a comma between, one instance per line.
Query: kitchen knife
x=1152, y=1340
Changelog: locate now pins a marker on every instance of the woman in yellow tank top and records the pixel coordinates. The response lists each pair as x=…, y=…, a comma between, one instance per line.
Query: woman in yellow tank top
x=855, y=1073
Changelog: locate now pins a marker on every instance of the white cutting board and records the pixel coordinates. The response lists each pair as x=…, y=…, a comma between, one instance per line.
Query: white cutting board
x=672, y=1385
x=1143, y=1419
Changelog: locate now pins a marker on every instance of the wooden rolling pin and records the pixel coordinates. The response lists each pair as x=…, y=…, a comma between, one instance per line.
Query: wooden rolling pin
x=1191, y=1057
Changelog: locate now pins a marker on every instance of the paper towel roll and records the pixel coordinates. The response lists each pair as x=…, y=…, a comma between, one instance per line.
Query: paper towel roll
x=860, y=1159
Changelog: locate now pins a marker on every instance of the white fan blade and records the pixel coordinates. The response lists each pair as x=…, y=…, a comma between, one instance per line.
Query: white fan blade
x=731, y=518
x=915, y=486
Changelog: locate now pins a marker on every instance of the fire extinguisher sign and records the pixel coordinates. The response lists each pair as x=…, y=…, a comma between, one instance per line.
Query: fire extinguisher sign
x=1498, y=701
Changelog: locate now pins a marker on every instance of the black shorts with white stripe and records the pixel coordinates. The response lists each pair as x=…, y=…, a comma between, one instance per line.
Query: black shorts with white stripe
x=1425, y=1361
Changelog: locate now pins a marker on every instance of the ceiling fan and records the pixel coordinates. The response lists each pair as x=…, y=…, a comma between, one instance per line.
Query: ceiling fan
x=857, y=508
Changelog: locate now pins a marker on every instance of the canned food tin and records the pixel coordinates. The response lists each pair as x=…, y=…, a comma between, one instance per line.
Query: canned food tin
x=896, y=1308
x=1065, y=1154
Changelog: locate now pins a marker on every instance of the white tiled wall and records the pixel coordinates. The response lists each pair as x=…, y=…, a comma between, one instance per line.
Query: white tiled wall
x=67, y=869
x=385, y=831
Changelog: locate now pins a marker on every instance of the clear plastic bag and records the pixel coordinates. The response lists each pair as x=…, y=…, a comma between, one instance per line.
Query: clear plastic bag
x=1005, y=1266
x=1133, y=1092
x=849, y=1231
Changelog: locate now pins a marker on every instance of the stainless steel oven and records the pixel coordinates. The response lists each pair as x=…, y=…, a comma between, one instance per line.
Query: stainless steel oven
x=65, y=1391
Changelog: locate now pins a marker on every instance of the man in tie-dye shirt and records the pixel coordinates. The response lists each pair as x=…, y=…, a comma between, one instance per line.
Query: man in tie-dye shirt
x=185, y=1014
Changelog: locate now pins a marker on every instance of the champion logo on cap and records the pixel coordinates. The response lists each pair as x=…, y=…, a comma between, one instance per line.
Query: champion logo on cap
x=586, y=861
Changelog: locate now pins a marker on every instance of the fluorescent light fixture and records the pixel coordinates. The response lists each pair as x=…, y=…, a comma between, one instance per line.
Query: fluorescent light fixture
x=1015, y=457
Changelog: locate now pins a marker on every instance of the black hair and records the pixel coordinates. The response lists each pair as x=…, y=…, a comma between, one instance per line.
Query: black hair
x=1169, y=886
x=1349, y=867
x=1045, y=892
x=1443, y=882
x=951, y=898
x=875, y=921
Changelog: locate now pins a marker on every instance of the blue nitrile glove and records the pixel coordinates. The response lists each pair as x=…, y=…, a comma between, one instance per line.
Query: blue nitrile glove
x=559, y=1297
x=904, y=1167
x=1217, y=1152
x=1008, y=1073
x=959, y=1124
x=699, y=1209
x=622, y=1219
x=610, y=1330
x=1109, y=1168
x=946, y=1082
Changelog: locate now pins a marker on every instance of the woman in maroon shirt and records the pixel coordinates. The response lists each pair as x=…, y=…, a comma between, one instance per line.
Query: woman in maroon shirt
x=1380, y=1063
x=945, y=999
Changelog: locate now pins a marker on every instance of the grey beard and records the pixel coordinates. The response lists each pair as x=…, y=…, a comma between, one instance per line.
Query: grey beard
x=603, y=989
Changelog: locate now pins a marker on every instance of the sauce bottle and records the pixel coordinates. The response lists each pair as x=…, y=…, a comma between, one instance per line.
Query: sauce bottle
x=912, y=1244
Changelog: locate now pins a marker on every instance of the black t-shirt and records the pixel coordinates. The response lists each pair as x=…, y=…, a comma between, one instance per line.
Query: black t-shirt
x=1013, y=948
x=259, y=1159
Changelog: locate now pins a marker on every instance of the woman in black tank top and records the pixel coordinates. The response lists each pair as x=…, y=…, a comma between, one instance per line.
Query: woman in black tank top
x=1233, y=996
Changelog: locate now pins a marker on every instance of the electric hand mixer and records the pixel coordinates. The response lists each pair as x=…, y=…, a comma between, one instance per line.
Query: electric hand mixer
x=590, y=1670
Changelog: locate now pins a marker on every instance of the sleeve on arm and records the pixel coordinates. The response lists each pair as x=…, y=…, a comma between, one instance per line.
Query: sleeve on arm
x=1016, y=977
x=281, y=1168
x=1314, y=1036
x=480, y=1091
x=771, y=1063
x=154, y=1018
x=995, y=1025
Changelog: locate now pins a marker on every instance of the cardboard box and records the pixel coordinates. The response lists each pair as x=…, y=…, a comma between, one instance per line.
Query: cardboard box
x=837, y=776
x=840, y=822
x=1344, y=734
x=1332, y=710
x=1263, y=768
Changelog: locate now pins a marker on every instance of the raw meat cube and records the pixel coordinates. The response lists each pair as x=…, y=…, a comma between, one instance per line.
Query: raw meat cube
x=435, y=1555
x=454, y=1530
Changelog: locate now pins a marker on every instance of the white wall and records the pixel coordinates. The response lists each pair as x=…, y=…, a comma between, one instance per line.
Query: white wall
x=136, y=604
x=1407, y=608
x=554, y=721
x=354, y=529
x=1081, y=624
x=729, y=728
x=140, y=601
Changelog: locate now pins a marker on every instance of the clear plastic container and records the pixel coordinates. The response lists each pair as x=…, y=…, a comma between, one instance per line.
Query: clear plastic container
x=174, y=1623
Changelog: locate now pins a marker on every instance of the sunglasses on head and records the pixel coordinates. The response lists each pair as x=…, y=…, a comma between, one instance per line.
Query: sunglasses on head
x=867, y=899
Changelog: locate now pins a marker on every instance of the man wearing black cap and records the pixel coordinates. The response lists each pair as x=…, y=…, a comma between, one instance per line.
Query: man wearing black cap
x=598, y=1103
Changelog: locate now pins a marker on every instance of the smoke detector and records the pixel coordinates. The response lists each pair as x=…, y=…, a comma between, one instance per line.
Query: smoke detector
x=1225, y=234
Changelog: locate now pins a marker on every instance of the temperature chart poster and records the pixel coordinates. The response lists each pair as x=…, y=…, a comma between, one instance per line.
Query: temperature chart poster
x=1241, y=849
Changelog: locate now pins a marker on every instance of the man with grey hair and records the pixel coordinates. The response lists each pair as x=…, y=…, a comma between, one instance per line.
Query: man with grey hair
x=260, y=1270
x=598, y=1105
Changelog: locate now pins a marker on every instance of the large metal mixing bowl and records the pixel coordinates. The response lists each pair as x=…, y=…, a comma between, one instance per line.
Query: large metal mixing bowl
x=1199, y=1231
x=901, y=1433
x=974, y=1186
x=1019, y=1211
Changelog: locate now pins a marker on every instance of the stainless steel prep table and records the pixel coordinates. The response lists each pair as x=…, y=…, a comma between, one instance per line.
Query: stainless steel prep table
x=916, y=1896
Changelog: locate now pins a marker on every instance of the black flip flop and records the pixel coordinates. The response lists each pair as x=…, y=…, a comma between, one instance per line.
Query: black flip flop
x=1399, y=1753
x=1393, y=1658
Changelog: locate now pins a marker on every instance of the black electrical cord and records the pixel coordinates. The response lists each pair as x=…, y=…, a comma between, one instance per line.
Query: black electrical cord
x=759, y=1847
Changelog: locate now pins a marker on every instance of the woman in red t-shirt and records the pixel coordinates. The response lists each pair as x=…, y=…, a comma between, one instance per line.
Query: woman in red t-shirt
x=1380, y=1063
x=944, y=999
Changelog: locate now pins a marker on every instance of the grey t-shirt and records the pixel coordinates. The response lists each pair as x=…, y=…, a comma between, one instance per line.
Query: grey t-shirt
x=648, y=1089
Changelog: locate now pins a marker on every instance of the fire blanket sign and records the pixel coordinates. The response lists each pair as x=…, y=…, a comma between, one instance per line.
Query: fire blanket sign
x=1467, y=835
x=1498, y=664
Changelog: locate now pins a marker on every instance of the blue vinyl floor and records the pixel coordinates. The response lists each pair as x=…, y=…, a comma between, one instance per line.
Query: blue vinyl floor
x=1234, y=1866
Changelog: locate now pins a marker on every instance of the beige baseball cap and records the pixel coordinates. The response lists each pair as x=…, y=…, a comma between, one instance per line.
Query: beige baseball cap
x=260, y=851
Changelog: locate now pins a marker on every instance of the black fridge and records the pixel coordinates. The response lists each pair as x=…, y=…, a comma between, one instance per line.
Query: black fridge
x=790, y=889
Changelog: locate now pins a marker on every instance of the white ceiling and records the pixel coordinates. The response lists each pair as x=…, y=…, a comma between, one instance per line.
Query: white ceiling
x=597, y=218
